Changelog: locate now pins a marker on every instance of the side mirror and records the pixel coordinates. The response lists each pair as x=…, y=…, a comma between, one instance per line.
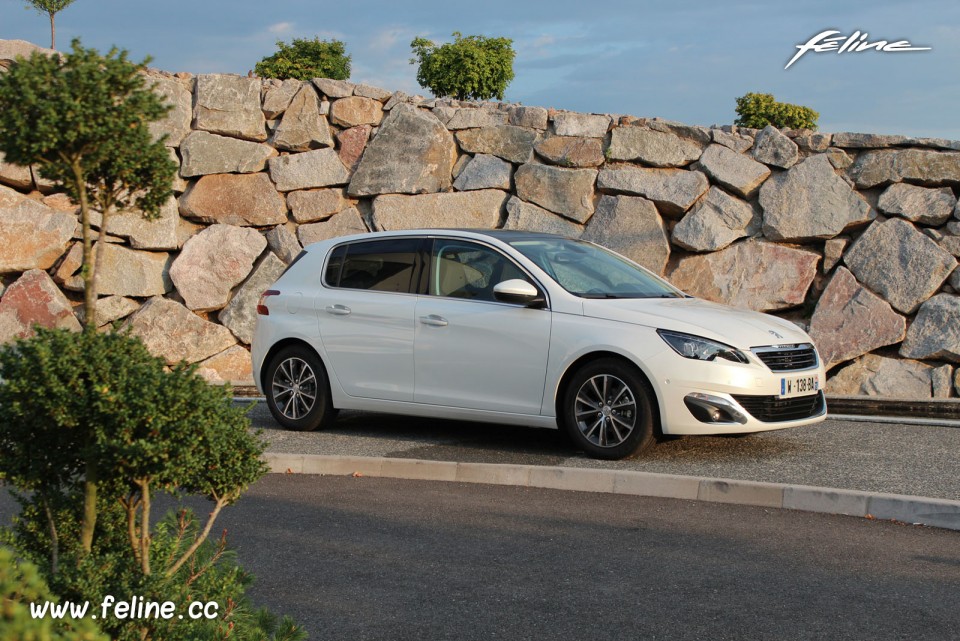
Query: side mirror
x=518, y=292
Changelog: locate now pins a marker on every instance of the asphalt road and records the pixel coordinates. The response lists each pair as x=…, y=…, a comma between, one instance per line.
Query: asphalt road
x=371, y=559
x=918, y=460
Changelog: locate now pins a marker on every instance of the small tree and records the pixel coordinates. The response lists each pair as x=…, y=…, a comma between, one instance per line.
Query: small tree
x=471, y=68
x=306, y=59
x=51, y=8
x=83, y=119
x=71, y=403
x=757, y=110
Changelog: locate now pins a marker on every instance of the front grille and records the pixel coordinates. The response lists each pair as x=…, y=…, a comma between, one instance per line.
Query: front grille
x=787, y=358
x=771, y=409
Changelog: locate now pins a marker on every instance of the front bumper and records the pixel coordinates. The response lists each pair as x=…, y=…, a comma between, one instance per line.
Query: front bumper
x=718, y=398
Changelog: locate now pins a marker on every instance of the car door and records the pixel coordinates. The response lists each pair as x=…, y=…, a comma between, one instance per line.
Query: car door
x=471, y=351
x=366, y=316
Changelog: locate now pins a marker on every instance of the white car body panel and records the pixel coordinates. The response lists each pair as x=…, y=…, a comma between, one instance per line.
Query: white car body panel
x=368, y=342
x=488, y=356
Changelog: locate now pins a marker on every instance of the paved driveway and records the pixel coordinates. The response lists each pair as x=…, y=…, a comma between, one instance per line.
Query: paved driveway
x=918, y=460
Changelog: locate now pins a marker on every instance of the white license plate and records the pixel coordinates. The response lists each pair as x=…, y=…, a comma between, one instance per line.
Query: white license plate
x=799, y=386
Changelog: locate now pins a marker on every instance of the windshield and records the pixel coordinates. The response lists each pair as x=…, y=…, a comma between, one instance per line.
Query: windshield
x=590, y=271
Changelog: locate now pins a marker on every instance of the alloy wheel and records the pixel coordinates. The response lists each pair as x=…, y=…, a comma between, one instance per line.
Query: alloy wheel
x=605, y=410
x=294, y=388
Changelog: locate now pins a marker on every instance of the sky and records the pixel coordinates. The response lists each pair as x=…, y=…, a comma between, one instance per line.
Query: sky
x=686, y=61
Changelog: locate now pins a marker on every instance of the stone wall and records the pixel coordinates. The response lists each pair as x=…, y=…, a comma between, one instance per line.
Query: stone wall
x=853, y=236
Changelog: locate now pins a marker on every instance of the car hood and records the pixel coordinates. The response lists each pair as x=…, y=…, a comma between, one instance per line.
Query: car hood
x=740, y=328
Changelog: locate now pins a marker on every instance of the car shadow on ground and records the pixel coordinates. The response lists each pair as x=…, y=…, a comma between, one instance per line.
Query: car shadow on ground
x=471, y=442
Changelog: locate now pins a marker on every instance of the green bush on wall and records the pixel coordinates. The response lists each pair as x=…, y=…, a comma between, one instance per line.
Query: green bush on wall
x=757, y=110
x=471, y=68
x=305, y=59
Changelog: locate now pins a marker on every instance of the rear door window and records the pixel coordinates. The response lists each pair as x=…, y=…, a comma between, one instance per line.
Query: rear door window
x=388, y=265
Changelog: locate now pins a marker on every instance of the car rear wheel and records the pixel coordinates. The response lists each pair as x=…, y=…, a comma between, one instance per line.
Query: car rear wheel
x=608, y=410
x=297, y=390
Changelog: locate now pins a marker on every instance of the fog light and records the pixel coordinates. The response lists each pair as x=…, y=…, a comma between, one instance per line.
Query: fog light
x=713, y=409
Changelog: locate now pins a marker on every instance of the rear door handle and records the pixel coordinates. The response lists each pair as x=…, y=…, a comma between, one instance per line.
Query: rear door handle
x=434, y=320
x=338, y=310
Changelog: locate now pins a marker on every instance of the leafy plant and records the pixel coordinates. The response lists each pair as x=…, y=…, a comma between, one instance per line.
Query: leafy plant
x=100, y=406
x=20, y=585
x=82, y=119
x=211, y=576
x=51, y=8
x=757, y=110
x=97, y=408
x=306, y=59
x=472, y=67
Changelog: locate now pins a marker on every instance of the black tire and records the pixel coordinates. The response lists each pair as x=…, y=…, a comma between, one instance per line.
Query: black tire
x=298, y=391
x=608, y=410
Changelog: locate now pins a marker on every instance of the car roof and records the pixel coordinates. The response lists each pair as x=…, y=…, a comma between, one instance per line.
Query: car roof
x=503, y=235
x=508, y=234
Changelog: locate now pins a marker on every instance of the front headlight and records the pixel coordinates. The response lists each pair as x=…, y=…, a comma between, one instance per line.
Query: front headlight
x=700, y=349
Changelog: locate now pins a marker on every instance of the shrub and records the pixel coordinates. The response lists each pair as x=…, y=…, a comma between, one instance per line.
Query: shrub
x=757, y=110
x=98, y=407
x=20, y=585
x=91, y=427
x=212, y=575
x=474, y=68
x=306, y=59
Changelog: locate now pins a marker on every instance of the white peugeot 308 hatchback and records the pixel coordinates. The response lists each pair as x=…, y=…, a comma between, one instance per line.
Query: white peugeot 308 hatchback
x=527, y=329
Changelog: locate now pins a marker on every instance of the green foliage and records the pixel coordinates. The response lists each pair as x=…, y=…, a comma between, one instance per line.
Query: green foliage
x=471, y=68
x=212, y=575
x=757, y=110
x=80, y=576
x=87, y=112
x=76, y=406
x=305, y=59
x=71, y=398
x=51, y=8
x=22, y=584
x=83, y=121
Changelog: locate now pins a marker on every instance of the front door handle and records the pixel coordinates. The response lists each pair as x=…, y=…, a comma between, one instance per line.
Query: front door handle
x=338, y=310
x=434, y=320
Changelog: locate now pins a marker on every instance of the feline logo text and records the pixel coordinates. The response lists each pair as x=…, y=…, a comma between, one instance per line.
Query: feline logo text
x=832, y=40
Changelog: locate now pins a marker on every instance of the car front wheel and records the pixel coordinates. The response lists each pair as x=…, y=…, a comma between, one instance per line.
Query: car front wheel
x=297, y=390
x=608, y=410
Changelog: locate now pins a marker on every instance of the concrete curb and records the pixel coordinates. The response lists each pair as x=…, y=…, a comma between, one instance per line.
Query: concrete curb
x=908, y=509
